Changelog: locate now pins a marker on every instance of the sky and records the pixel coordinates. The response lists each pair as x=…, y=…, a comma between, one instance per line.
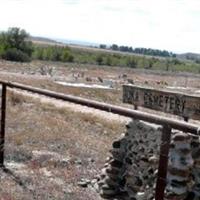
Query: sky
x=173, y=25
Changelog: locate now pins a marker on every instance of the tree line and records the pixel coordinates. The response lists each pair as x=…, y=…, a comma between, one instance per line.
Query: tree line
x=143, y=51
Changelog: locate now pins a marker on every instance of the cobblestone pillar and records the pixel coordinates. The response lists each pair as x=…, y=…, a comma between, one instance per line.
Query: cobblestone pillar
x=179, y=167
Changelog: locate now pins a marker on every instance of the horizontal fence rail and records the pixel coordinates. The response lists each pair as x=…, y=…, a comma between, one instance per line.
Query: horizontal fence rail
x=166, y=122
x=160, y=120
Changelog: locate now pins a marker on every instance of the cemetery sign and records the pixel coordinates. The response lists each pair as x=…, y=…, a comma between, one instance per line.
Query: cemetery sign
x=187, y=106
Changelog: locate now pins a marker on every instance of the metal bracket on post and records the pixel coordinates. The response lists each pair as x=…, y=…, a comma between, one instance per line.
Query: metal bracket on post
x=3, y=117
x=163, y=162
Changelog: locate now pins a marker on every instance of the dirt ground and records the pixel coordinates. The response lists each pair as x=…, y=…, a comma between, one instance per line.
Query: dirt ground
x=54, y=149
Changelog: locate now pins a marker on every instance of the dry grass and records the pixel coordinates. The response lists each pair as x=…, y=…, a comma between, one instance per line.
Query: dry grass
x=80, y=139
x=29, y=74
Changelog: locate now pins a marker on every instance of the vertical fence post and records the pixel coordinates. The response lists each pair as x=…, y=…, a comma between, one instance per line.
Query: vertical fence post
x=135, y=107
x=3, y=117
x=163, y=162
x=186, y=119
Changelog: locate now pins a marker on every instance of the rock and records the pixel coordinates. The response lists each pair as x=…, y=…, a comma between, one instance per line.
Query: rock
x=100, y=79
x=153, y=159
x=84, y=182
x=96, y=187
x=94, y=181
x=111, y=182
x=124, y=76
x=64, y=163
x=108, y=191
x=78, y=162
x=116, y=163
x=116, y=144
x=130, y=81
x=88, y=79
x=112, y=170
x=118, y=155
x=91, y=160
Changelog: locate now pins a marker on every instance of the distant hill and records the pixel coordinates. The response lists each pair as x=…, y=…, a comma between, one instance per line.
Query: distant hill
x=78, y=43
x=45, y=41
x=189, y=56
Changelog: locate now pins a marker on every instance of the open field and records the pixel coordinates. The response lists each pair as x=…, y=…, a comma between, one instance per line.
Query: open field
x=50, y=145
x=44, y=48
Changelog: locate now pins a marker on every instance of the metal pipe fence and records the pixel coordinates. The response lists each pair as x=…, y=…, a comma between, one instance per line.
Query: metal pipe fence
x=167, y=124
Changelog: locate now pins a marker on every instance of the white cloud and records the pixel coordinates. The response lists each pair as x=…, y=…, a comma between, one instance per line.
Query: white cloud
x=163, y=24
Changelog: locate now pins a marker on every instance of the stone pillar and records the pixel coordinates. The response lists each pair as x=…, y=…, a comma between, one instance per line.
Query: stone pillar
x=135, y=148
x=130, y=171
x=195, y=145
x=179, y=167
x=112, y=174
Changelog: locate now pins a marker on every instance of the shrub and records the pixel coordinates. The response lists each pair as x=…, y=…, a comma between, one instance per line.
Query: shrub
x=66, y=56
x=16, y=55
x=108, y=60
x=70, y=58
x=131, y=62
x=99, y=59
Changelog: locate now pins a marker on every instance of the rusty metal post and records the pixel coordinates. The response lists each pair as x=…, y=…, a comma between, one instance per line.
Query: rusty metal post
x=3, y=117
x=163, y=162
x=135, y=107
x=186, y=119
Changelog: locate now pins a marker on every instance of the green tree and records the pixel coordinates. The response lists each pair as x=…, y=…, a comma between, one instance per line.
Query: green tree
x=114, y=47
x=102, y=46
x=15, y=46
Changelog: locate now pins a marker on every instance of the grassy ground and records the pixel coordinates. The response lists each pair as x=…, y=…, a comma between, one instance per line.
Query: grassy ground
x=48, y=150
